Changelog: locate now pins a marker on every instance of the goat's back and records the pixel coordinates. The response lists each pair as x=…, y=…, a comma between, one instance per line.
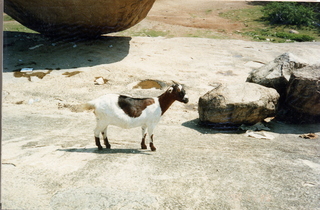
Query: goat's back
x=108, y=112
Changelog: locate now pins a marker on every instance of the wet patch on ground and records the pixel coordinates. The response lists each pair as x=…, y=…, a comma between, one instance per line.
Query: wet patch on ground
x=149, y=84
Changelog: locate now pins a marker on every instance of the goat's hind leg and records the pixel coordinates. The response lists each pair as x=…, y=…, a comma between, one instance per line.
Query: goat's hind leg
x=97, y=132
x=105, y=138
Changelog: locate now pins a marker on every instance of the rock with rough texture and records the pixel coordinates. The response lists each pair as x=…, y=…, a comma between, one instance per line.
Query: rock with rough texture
x=245, y=103
x=276, y=74
x=302, y=102
x=69, y=18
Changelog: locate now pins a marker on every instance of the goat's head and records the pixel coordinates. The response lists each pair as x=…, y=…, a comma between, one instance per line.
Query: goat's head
x=178, y=93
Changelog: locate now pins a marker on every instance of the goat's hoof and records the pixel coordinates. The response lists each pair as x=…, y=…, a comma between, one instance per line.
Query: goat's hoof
x=152, y=147
x=143, y=146
x=108, y=146
x=100, y=148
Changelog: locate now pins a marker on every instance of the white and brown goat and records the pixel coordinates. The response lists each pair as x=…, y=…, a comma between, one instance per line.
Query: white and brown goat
x=127, y=112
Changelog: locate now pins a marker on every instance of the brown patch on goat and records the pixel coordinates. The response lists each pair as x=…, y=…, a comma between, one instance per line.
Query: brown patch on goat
x=134, y=106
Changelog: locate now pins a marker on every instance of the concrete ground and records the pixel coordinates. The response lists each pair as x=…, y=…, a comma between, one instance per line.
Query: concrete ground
x=50, y=161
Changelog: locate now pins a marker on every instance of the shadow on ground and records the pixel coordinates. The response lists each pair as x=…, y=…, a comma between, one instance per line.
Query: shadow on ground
x=195, y=124
x=29, y=50
x=105, y=151
x=275, y=126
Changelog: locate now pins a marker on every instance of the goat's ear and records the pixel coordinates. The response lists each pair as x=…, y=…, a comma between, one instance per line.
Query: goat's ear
x=170, y=89
x=174, y=82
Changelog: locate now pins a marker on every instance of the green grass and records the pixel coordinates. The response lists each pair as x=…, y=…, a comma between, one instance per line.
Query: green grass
x=205, y=34
x=260, y=30
x=151, y=33
x=9, y=24
x=7, y=18
x=14, y=26
x=144, y=32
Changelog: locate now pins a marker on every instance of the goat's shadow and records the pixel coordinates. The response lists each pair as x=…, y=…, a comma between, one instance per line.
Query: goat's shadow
x=30, y=50
x=106, y=151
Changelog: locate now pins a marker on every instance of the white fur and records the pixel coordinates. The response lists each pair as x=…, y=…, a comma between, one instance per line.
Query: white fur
x=108, y=112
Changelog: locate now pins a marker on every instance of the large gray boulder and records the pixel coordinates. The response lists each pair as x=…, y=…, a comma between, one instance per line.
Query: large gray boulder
x=297, y=81
x=244, y=103
x=302, y=101
x=85, y=18
x=276, y=74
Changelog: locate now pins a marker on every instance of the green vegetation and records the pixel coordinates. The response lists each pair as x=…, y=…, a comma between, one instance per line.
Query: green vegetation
x=150, y=33
x=205, y=34
x=14, y=26
x=144, y=32
x=273, y=21
x=264, y=35
x=10, y=24
x=290, y=13
x=7, y=18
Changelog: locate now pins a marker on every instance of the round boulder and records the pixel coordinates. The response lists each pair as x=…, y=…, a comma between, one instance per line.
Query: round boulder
x=69, y=18
x=245, y=103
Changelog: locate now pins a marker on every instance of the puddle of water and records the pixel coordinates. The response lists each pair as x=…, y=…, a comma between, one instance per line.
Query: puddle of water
x=70, y=74
x=148, y=84
x=28, y=75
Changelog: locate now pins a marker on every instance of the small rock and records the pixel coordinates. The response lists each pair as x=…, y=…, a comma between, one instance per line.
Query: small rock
x=256, y=127
x=259, y=134
x=31, y=101
x=26, y=70
x=99, y=81
x=294, y=31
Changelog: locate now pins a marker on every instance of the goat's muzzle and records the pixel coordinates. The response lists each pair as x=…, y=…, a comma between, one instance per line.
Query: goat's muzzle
x=185, y=100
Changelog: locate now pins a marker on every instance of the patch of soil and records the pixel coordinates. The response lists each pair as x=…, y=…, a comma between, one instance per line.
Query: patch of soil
x=202, y=15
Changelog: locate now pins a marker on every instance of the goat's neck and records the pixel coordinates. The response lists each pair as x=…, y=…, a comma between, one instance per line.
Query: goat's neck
x=165, y=101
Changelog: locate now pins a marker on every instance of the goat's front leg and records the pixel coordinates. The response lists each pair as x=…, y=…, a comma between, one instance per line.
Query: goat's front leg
x=151, y=144
x=150, y=131
x=105, y=138
x=144, y=135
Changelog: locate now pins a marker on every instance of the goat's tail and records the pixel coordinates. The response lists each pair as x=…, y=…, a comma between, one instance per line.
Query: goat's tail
x=89, y=105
